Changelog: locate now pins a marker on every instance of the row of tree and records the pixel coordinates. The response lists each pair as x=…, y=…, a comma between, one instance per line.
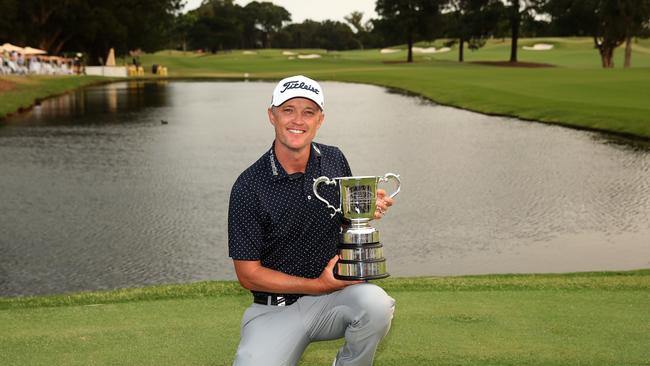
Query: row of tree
x=95, y=26
x=222, y=25
x=609, y=22
x=88, y=26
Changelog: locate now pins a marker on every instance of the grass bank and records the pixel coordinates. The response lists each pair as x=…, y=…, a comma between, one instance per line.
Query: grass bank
x=559, y=319
x=21, y=92
x=576, y=93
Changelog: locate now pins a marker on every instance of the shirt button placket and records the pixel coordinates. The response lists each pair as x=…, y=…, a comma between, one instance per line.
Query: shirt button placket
x=308, y=187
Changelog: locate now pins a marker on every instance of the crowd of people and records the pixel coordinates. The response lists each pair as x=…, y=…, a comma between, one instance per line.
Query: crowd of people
x=17, y=63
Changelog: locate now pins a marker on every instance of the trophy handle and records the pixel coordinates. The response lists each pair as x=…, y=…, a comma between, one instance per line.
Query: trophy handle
x=327, y=181
x=386, y=177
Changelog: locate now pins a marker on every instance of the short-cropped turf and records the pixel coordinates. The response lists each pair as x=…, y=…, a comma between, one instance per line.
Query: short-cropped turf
x=560, y=319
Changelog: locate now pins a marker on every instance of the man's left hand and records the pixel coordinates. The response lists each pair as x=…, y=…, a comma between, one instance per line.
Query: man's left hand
x=383, y=203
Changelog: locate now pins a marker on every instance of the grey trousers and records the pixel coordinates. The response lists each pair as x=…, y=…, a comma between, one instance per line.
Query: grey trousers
x=278, y=335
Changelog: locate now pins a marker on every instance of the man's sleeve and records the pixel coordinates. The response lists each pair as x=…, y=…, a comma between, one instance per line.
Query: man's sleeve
x=245, y=226
x=347, y=172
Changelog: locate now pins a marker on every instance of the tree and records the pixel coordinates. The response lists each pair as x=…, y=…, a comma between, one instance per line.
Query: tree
x=218, y=26
x=8, y=18
x=335, y=35
x=636, y=14
x=411, y=19
x=471, y=21
x=366, y=33
x=330, y=35
x=608, y=22
x=612, y=30
x=362, y=30
x=355, y=19
x=300, y=35
x=183, y=25
x=266, y=17
x=516, y=11
x=37, y=22
x=89, y=26
x=533, y=26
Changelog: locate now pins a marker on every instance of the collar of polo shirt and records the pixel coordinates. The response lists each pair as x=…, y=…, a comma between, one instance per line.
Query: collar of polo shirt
x=278, y=172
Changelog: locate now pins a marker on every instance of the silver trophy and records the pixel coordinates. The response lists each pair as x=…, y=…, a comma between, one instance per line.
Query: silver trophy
x=362, y=255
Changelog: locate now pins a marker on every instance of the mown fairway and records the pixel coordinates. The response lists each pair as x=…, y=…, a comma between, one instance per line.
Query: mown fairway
x=577, y=92
x=574, y=319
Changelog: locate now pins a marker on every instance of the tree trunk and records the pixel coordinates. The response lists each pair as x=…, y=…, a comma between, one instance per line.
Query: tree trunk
x=461, y=46
x=95, y=56
x=47, y=41
x=410, y=46
x=265, y=40
x=628, y=52
x=515, y=21
x=607, y=56
x=359, y=43
x=59, y=46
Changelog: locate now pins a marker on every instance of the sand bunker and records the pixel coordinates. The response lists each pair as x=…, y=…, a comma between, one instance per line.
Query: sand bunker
x=310, y=56
x=288, y=53
x=249, y=53
x=427, y=50
x=539, y=47
x=431, y=50
x=424, y=50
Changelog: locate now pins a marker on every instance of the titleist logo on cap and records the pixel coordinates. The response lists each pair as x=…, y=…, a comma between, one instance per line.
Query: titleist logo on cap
x=298, y=86
x=294, y=84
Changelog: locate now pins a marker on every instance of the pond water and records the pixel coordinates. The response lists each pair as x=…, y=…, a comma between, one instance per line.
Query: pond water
x=97, y=193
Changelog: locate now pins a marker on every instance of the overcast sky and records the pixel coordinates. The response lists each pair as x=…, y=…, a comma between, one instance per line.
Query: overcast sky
x=314, y=9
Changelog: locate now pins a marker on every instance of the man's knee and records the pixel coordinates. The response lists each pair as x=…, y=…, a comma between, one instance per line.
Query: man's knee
x=373, y=301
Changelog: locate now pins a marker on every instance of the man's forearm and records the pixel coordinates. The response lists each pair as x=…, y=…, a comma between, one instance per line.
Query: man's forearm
x=253, y=276
x=264, y=279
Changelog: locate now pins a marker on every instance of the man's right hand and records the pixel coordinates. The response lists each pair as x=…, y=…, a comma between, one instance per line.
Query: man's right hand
x=328, y=283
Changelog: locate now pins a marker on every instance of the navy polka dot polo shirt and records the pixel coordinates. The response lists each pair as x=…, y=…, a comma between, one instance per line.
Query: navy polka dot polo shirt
x=275, y=218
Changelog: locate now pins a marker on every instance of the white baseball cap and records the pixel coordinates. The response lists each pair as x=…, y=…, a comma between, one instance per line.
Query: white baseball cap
x=298, y=87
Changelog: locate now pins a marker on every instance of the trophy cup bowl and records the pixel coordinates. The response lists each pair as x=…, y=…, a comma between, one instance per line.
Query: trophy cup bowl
x=360, y=251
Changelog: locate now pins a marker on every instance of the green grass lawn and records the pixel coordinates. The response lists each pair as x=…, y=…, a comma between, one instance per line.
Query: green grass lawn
x=571, y=319
x=576, y=93
x=573, y=52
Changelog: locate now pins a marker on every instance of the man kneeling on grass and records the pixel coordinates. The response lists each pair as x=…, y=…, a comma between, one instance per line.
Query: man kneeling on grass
x=284, y=245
